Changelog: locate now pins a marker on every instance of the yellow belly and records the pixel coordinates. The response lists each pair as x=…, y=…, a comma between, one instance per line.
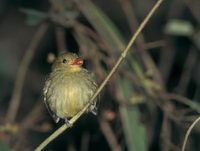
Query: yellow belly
x=69, y=94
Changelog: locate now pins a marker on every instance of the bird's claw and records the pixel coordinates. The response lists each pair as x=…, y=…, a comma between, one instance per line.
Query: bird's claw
x=94, y=110
x=68, y=123
x=56, y=119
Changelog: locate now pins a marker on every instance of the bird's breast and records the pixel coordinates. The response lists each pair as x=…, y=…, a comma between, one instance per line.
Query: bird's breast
x=70, y=93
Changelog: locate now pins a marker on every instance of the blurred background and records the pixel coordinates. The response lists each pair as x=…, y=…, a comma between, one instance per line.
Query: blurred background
x=146, y=106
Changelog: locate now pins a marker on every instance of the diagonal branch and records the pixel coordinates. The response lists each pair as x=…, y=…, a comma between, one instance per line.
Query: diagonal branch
x=114, y=69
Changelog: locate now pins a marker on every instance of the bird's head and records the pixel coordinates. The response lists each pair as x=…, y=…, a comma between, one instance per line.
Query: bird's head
x=68, y=60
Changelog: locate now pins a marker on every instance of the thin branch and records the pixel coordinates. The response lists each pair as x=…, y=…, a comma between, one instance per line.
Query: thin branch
x=109, y=135
x=193, y=5
x=188, y=133
x=123, y=55
x=85, y=140
x=60, y=37
x=57, y=8
x=21, y=73
x=166, y=134
x=154, y=44
x=28, y=121
x=187, y=73
x=181, y=99
x=140, y=42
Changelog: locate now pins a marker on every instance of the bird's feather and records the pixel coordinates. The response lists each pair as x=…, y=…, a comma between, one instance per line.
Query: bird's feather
x=45, y=90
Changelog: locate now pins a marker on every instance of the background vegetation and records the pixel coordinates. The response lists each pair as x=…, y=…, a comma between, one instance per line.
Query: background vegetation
x=147, y=105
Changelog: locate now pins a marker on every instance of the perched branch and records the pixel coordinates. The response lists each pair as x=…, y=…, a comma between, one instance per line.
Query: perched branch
x=123, y=55
x=21, y=73
x=188, y=133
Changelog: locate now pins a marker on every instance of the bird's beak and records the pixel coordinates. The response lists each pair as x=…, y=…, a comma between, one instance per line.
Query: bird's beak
x=77, y=61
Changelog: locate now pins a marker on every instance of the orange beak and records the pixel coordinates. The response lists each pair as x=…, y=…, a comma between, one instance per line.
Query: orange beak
x=77, y=61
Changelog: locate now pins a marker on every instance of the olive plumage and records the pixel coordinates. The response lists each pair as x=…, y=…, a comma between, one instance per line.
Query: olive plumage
x=69, y=87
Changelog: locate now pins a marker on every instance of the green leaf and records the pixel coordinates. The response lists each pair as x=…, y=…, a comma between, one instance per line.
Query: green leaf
x=196, y=39
x=126, y=88
x=133, y=129
x=4, y=146
x=34, y=17
x=179, y=28
x=106, y=29
x=104, y=26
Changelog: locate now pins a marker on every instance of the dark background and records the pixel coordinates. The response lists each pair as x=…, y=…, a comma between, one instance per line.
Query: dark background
x=147, y=105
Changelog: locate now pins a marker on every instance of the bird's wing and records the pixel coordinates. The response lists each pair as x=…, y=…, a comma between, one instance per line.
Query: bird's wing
x=93, y=80
x=92, y=77
x=45, y=90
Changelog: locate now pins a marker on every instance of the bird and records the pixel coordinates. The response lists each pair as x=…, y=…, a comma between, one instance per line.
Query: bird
x=69, y=88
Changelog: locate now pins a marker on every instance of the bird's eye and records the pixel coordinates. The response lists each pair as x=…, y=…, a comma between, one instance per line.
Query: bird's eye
x=64, y=61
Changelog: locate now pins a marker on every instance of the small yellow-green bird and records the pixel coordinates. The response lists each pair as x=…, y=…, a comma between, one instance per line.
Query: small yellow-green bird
x=68, y=88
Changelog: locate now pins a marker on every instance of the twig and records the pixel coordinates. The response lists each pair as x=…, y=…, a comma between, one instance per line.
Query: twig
x=85, y=140
x=140, y=42
x=60, y=37
x=193, y=5
x=28, y=122
x=168, y=53
x=188, y=133
x=86, y=30
x=108, y=133
x=21, y=73
x=57, y=7
x=186, y=75
x=166, y=134
x=85, y=44
x=194, y=105
x=154, y=44
x=123, y=55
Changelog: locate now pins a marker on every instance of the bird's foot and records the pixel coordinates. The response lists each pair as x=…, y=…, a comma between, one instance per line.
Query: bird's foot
x=56, y=119
x=68, y=123
x=94, y=110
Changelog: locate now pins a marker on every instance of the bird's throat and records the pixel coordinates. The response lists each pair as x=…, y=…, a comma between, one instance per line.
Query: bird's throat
x=74, y=69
